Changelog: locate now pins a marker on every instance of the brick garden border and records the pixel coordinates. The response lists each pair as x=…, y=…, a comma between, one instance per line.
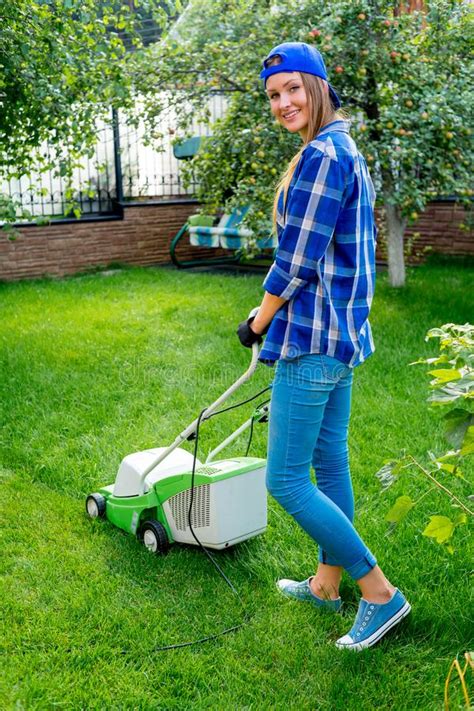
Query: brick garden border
x=141, y=235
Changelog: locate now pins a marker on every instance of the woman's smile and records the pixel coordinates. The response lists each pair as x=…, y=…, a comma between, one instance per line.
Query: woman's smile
x=291, y=115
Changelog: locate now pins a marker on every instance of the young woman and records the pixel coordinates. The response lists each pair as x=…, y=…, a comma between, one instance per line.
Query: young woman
x=315, y=312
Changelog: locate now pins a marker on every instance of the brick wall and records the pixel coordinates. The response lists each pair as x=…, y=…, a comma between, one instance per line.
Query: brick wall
x=143, y=234
x=439, y=230
x=141, y=237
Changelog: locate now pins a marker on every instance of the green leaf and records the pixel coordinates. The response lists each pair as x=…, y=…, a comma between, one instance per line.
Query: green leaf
x=457, y=421
x=468, y=442
x=460, y=518
x=448, y=455
x=440, y=527
x=443, y=358
x=423, y=361
x=435, y=333
x=439, y=461
x=462, y=389
x=442, y=398
x=445, y=375
x=444, y=466
x=389, y=472
x=400, y=509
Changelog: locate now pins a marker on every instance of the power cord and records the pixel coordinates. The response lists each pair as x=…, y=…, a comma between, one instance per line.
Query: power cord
x=258, y=417
x=195, y=436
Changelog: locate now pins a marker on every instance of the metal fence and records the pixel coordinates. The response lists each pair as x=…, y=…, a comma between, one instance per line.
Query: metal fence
x=44, y=194
x=147, y=173
x=122, y=168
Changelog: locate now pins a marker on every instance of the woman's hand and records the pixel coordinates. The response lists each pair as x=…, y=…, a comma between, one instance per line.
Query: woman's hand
x=247, y=335
x=252, y=330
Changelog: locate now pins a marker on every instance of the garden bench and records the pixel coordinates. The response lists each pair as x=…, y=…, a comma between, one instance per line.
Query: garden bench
x=226, y=234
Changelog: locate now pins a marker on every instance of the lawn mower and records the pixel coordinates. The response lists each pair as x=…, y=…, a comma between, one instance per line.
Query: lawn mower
x=166, y=495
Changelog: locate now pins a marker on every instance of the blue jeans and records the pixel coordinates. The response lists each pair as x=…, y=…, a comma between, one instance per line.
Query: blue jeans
x=309, y=421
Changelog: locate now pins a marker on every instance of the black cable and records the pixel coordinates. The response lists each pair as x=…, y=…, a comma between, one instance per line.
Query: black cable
x=261, y=404
x=244, y=402
x=250, y=438
x=211, y=558
x=199, y=641
x=196, y=441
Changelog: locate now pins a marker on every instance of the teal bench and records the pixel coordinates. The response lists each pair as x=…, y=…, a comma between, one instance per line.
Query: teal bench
x=226, y=234
x=202, y=231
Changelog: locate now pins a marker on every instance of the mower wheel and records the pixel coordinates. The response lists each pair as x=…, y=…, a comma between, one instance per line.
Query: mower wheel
x=154, y=537
x=95, y=505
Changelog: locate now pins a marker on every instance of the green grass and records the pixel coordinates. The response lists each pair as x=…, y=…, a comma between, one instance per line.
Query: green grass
x=95, y=367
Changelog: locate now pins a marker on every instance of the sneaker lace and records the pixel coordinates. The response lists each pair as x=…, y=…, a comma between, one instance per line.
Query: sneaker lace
x=370, y=609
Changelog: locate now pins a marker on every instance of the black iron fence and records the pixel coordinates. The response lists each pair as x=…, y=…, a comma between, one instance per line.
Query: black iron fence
x=122, y=168
x=94, y=184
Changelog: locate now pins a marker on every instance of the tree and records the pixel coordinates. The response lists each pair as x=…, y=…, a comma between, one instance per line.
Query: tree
x=63, y=65
x=405, y=77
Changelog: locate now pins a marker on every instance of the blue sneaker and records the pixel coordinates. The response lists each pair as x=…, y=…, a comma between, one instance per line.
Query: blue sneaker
x=373, y=621
x=302, y=591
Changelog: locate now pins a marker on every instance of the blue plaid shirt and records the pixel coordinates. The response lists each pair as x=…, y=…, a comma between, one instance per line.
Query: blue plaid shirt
x=325, y=260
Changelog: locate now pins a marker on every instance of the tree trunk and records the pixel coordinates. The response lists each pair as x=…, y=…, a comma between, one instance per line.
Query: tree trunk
x=396, y=258
x=395, y=231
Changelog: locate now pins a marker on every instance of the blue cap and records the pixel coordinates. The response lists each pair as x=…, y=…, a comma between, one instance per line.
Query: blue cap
x=298, y=57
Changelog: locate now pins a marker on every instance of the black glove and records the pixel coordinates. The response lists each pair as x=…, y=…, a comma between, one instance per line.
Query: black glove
x=246, y=336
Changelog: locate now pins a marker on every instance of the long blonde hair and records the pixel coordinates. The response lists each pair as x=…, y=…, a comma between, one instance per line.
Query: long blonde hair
x=321, y=112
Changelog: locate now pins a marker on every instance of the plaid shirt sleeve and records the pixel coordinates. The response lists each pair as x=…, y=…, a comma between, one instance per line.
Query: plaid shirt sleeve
x=312, y=211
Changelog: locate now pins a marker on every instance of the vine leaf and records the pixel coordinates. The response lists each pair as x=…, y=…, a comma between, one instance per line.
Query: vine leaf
x=440, y=527
x=468, y=442
x=400, y=509
x=457, y=422
x=445, y=375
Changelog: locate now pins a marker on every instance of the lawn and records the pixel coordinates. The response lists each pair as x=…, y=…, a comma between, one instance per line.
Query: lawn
x=97, y=366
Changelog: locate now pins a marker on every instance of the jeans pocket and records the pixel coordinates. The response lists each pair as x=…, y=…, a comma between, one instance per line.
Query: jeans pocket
x=333, y=368
x=306, y=371
x=311, y=369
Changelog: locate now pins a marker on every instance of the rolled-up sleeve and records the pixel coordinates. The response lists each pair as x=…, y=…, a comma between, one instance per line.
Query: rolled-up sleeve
x=312, y=212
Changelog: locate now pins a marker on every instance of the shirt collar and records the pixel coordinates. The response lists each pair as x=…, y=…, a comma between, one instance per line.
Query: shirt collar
x=337, y=125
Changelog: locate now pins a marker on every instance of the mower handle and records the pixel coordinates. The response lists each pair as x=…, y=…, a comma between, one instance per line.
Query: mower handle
x=206, y=414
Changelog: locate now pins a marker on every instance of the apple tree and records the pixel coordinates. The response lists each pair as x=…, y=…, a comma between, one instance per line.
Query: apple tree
x=410, y=77
x=405, y=78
